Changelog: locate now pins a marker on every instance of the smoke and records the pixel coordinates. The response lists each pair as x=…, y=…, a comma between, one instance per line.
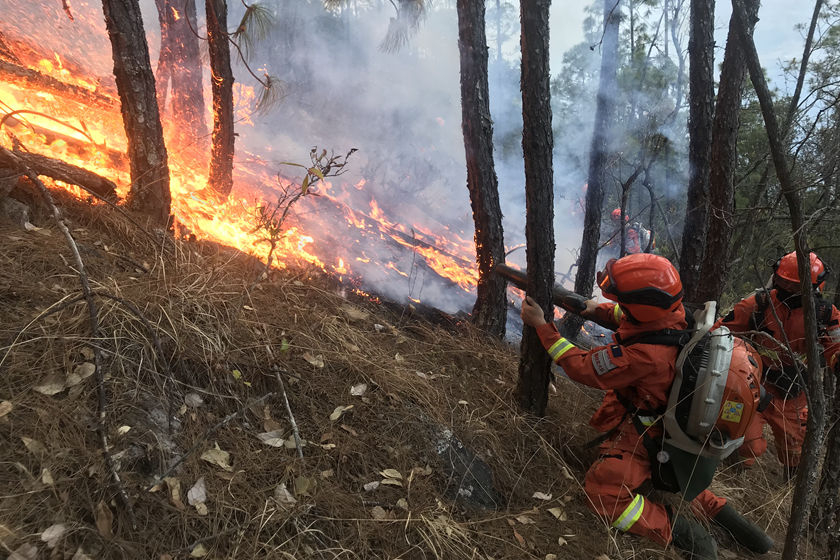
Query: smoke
x=401, y=110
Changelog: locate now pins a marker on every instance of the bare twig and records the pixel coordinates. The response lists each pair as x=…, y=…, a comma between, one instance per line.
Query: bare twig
x=295, y=430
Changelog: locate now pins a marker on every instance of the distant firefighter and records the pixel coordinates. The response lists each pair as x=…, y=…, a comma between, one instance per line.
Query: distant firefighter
x=636, y=238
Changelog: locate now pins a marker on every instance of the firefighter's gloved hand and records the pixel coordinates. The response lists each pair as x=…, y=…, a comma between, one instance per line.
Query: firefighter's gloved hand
x=746, y=533
x=692, y=539
x=532, y=314
x=591, y=306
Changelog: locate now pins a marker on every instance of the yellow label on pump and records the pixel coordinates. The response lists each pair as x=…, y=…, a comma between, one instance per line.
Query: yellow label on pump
x=732, y=411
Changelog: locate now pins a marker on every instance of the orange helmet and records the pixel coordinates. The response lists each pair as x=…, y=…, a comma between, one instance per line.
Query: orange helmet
x=647, y=287
x=786, y=272
x=616, y=215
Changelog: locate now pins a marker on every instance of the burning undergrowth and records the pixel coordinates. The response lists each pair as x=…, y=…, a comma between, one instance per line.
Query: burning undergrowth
x=62, y=103
x=390, y=409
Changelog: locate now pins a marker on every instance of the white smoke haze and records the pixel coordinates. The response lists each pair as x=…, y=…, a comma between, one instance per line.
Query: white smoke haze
x=401, y=110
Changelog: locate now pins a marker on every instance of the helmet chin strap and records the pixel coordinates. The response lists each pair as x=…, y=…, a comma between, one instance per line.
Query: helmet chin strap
x=629, y=315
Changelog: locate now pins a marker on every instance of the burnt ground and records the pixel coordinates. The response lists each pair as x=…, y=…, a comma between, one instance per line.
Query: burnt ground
x=413, y=446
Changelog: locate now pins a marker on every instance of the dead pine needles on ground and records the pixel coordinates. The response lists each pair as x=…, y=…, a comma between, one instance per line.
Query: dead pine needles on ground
x=385, y=402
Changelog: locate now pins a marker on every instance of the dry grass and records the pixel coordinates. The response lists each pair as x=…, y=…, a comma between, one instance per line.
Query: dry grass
x=207, y=337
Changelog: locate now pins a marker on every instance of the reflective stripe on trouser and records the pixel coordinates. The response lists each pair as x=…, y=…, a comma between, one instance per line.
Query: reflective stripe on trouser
x=787, y=419
x=611, y=485
x=559, y=348
x=630, y=515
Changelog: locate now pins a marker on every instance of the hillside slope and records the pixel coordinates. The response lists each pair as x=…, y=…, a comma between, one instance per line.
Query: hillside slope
x=398, y=416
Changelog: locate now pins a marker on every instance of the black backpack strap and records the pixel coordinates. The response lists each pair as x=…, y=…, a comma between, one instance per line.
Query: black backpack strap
x=664, y=337
x=605, y=436
x=661, y=474
x=824, y=309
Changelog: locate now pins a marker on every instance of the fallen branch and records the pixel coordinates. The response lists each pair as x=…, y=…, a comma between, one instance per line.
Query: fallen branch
x=213, y=429
x=17, y=74
x=61, y=171
x=295, y=431
x=116, y=158
x=21, y=166
x=6, y=52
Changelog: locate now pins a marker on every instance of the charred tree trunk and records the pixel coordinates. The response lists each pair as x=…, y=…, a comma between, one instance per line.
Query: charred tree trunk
x=221, y=153
x=715, y=267
x=599, y=155
x=701, y=56
x=179, y=71
x=490, y=310
x=136, y=86
x=803, y=495
x=163, y=73
x=537, y=147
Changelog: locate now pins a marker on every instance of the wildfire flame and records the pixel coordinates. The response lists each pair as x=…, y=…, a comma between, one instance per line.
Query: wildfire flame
x=90, y=135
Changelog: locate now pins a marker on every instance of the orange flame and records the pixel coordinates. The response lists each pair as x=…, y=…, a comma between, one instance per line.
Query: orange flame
x=92, y=137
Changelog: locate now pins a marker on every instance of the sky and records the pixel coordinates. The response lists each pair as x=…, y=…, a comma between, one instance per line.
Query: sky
x=776, y=38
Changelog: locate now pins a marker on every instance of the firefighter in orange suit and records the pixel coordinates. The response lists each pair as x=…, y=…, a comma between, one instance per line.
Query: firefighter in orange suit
x=636, y=237
x=648, y=292
x=778, y=312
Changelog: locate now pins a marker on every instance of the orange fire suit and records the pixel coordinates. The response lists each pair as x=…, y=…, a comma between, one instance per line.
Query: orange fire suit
x=642, y=374
x=632, y=240
x=787, y=413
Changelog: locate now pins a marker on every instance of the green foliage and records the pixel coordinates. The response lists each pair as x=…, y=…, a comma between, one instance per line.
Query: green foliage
x=648, y=129
x=254, y=26
x=400, y=29
x=270, y=219
x=273, y=90
x=762, y=226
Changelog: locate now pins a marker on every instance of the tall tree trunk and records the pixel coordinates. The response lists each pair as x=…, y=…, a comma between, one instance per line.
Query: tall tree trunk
x=163, y=73
x=599, y=156
x=537, y=147
x=701, y=56
x=715, y=267
x=827, y=510
x=221, y=152
x=803, y=495
x=147, y=156
x=179, y=71
x=490, y=310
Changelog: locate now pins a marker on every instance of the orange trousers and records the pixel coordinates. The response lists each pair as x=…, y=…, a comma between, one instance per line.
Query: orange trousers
x=611, y=484
x=788, y=420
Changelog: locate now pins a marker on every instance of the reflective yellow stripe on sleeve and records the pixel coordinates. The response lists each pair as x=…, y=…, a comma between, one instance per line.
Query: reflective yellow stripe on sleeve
x=630, y=515
x=617, y=313
x=559, y=348
x=648, y=420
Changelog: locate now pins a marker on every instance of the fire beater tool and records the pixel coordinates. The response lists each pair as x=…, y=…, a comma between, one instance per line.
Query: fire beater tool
x=561, y=297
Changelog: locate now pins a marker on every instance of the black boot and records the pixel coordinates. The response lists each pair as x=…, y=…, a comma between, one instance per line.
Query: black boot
x=692, y=539
x=742, y=530
x=790, y=473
